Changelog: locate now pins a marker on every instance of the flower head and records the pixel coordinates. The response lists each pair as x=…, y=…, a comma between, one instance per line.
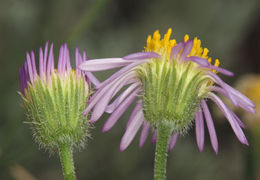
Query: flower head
x=55, y=98
x=172, y=82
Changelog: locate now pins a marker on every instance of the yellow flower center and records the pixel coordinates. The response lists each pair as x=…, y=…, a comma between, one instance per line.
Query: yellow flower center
x=164, y=46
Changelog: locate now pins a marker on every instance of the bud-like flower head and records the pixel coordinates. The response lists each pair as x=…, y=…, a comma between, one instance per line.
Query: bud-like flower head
x=172, y=82
x=55, y=98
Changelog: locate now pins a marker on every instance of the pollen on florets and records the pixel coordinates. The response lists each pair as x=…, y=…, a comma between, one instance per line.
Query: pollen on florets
x=54, y=101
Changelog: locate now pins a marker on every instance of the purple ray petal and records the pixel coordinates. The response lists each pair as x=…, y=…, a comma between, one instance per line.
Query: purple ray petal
x=211, y=127
x=119, y=111
x=231, y=91
x=221, y=70
x=45, y=57
x=99, y=94
x=240, y=102
x=50, y=66
x=141, y=55
x=144, y=134
x=29, y=65
x=131, y=131
x=33, y=64
x=41, y=72
x=199, y=60
x=186, y=50
x=154, y=137
x=235, y=126
x=110, y=108
x=199, y=123
x=103, y=64
x=137, y=108
x=129, y=76
x=241, y=124
x=176, y=50
x=60, y=61
x=173, y=141
x=121, y=72
x=219, y=81
x=92, y=78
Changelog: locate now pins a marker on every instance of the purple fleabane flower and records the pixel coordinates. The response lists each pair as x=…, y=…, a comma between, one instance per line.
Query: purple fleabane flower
x=171, y=82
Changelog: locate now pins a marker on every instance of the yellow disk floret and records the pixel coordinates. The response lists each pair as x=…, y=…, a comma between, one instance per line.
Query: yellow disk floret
x=164, y=46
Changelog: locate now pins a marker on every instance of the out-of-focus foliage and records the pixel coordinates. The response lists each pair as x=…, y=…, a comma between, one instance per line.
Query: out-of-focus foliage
x=113, y=28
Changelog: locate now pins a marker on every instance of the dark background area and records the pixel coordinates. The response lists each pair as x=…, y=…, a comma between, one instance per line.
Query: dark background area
x=230, y=29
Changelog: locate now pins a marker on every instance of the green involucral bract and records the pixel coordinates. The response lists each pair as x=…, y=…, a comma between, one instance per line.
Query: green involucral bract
x=172, y=91
x=55, y=109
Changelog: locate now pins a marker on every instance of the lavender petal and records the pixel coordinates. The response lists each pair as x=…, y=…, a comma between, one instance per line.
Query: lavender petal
x=235, y=126
x=131, y=131
x=141, y=55
x=103, y=64
x=144, y=134
x=199, y=60
x=199, y=123
x=110, y=108
x=173, y=141
x=187, y=48
x=119, y=111
x=221, y=70
x=211, y=127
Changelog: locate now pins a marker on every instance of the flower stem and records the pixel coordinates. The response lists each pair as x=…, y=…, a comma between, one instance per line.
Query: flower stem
x=163, y=138
x=66, y=158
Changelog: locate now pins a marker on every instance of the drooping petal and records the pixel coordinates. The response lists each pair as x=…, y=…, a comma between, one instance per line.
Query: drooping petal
x=131, y=131
x=144, y=134
x=92, y=78
x=121, y=72
x=221, y=70
x=235, y=126
x=103, y=64
x=199, y=60
x=199, y=125
x=106, y=91
x=240, y=102
x=137, y=108
x=110, y=108
x=219, y=81
x=141, y=55
x=241, y=124
x=119, y=111
x=211, y=127
x=173, y=141
x=154, y=136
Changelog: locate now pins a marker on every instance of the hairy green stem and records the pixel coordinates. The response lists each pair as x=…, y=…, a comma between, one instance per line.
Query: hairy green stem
x=163, y=138
x=66, y=157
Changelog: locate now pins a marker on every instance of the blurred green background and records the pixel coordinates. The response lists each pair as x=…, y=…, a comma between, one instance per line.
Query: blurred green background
x=114, y=28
